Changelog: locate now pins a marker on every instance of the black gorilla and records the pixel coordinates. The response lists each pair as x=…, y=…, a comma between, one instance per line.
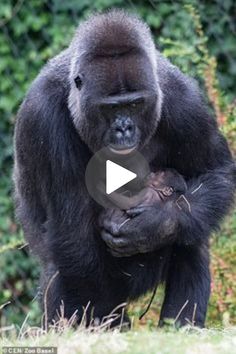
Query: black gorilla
x=111, y=87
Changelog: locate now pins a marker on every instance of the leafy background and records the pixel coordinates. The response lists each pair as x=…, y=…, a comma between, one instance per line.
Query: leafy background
x=198, y=36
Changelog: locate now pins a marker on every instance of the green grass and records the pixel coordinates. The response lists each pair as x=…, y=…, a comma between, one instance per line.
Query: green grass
x=184, y=341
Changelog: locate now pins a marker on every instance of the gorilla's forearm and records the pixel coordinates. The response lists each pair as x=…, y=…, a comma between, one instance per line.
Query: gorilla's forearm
x=209, y=198
x=199, y=211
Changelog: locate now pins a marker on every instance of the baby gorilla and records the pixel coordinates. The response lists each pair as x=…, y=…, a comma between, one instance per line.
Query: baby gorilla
x=158, y=187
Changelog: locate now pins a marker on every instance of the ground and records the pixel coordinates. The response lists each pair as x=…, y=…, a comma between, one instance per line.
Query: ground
x=184, y=341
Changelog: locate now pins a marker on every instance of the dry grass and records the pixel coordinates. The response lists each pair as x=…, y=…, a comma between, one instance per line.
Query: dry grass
x=85, y=341
x=99, y=338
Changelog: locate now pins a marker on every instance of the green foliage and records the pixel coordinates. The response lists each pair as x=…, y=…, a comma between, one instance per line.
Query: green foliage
x=195, y=35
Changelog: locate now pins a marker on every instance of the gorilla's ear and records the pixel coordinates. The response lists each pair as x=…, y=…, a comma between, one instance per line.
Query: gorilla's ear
x=78, y=82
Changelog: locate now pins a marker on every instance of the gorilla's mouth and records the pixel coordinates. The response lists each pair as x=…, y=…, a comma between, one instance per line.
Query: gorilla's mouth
x=122, y=150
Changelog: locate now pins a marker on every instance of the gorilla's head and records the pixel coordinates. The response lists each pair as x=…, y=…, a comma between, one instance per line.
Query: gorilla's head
x=115, y=99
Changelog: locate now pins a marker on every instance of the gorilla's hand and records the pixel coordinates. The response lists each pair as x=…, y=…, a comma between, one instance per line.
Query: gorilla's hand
x=144, y=230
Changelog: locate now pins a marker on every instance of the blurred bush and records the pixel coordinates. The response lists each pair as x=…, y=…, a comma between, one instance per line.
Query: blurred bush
x=198, y=36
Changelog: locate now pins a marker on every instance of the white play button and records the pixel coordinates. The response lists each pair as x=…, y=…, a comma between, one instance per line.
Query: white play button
x=107, y=172
x=117, y=176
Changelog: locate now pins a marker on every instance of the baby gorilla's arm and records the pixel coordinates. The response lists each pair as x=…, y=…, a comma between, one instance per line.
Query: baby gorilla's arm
x=157, y=187
x=124, y=202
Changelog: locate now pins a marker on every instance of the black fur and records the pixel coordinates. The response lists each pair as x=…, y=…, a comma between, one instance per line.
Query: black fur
x=59, y=218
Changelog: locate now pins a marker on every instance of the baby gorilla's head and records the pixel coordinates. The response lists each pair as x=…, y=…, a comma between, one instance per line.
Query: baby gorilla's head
x=166, y=183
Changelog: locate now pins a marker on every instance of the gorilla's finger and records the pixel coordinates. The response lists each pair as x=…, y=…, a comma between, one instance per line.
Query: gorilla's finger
x=115, y=253
x=113, y=242
x=111, y=226
x=118, y=254
x=137, y=210
x=126, y=251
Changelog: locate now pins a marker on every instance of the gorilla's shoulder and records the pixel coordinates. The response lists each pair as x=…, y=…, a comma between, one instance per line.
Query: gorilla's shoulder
x=53, y=79
x=185, y=112
x=49, y=89
x=172, y=79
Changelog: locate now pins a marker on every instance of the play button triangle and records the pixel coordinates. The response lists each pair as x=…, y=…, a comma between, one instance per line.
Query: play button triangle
x=117, y=176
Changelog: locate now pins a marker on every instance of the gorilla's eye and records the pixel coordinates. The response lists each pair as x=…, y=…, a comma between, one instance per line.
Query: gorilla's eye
x=78, y=82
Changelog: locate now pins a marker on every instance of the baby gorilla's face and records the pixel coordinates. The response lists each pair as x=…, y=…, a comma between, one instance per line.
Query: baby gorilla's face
x=166, y=182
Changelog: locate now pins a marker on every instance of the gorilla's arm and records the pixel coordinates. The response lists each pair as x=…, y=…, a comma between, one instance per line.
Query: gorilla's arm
x=160, y=225
x=52, y=203
x=198, y=151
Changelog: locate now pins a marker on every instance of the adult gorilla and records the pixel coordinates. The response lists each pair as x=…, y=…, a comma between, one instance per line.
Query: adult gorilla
x=112, y=87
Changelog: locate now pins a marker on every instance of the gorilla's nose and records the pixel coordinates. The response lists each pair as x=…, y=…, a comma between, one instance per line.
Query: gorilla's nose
x=123, y=127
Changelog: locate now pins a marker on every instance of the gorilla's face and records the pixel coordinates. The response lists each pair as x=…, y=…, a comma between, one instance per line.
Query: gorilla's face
x=115, y=100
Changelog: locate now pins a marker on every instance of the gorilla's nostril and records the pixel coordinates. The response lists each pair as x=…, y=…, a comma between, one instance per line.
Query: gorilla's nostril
x=129, y=132
x=126, y=131
x=119, y=133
